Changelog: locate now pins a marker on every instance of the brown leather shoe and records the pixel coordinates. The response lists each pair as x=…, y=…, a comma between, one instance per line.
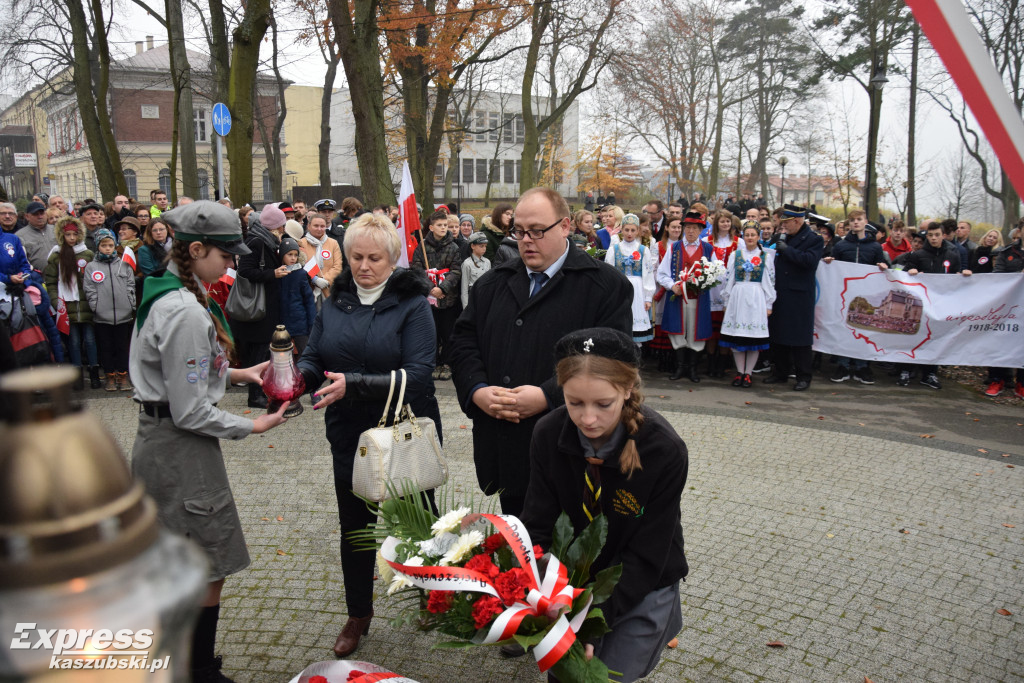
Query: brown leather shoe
x=348, y=640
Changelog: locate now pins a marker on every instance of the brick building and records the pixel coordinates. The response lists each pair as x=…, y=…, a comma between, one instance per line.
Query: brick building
x=141, y=104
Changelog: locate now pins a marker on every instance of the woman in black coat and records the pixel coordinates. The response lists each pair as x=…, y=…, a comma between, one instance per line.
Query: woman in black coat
x=605, y=440
x=262, y=265
x=376, y=321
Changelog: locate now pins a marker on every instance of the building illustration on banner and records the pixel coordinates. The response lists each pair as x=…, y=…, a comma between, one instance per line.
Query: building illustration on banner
x=898, y=312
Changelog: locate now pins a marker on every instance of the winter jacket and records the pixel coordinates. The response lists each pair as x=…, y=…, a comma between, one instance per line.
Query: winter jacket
x=983, y=259
x=442, y=255
x=112, y=221
x=298, y=309
x=149, y=259
x=472, y=270
x=507, y=250
x=866, y=250
x=262, y=245
x=332, y=263
x=644, y=531
x=505, y=338
x=78, y=311
x=929, y=259
x=367, y=342
x=38, y=244
x=110, y=290
x=46, y=320
x=12, y=258
x=494, y=237
x=895, y=251
x=1010, y=259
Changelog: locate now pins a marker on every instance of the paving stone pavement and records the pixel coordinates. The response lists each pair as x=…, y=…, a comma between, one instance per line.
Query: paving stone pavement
x=864, y=556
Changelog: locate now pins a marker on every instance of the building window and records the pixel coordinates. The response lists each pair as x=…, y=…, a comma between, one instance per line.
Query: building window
x=494, y=125
x=165, y=181
x=439, y=174
x=199, y=119
x=467, y=170
x=520, y=129
x=481, y=170
x=204, y=183
x=481, y=126
x=267, y=190
x=130, y=183
x=510, y=172
x=508, y=127
x=819, y=196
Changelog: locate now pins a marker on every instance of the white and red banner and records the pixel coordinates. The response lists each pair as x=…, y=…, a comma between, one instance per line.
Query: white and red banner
x=408, y=216
x=866, y=313
x=951, y=33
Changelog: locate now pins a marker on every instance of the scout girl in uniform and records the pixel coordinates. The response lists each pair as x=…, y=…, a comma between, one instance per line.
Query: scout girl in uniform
x=604, y=452
x=180, y=365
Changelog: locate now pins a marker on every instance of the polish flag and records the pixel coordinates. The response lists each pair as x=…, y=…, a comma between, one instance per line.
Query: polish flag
x=129, y=257
x=408, y=216
x=63, y=321
x=228, y=278
x=312, y=268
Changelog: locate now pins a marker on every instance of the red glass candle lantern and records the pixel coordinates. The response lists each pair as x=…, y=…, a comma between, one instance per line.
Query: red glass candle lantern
x=282, y=381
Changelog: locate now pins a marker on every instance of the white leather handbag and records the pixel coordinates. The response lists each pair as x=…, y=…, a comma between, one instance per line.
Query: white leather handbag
x=407, y=453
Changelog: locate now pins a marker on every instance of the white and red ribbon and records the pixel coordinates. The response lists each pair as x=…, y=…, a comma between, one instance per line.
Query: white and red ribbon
x=350, y=671
x=550, y=595
x=437, y=276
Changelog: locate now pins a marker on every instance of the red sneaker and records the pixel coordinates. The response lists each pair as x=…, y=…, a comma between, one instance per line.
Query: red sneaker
x=1019, y=390
x=995, y=387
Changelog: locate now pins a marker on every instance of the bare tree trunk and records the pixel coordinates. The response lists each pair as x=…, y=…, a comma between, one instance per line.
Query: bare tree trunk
x=102, y=86
x=245, y=56
x=272, y=141
x=220, y=58
x=181, y=77
x=325, y=125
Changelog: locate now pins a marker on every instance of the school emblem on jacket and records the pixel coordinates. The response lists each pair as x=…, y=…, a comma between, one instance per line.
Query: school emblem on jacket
x=626, y=504
x=97, y=276
x=10, y=249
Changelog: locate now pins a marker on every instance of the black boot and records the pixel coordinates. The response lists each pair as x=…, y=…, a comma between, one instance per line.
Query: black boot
x=94, y=377
x=79, y=380
x=694, y=374
x=682, y=366
x=205, y=666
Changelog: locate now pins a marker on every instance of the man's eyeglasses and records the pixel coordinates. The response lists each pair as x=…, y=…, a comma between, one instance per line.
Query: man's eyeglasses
x=519, y=233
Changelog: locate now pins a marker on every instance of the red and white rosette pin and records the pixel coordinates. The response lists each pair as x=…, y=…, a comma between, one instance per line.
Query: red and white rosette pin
x=325, y=254
x=97, y=276
x=945, y=264
x=636, y=256
x=550, y=595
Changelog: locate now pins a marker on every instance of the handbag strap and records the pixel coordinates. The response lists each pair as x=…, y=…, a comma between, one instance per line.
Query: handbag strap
x=401, y=396
x=391, y=392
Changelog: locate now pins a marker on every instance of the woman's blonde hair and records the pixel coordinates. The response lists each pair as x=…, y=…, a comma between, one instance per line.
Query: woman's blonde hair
x=577, y=219
x=617, y=212
x=624, y=377
x=999, y=238
x=377, y=228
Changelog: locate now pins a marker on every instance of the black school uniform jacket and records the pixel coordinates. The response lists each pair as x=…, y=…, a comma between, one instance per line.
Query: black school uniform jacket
x=644, y=531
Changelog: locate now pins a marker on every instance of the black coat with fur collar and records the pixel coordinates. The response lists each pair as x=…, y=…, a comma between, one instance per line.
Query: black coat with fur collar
x=367, y=342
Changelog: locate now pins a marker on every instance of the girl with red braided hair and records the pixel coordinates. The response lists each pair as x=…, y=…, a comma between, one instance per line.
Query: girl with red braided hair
x=605, y=453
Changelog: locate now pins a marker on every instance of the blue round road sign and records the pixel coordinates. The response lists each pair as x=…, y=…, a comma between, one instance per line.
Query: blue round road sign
x=221, y=119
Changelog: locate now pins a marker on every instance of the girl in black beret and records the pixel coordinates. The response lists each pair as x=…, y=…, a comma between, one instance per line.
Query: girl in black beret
x=605, y=452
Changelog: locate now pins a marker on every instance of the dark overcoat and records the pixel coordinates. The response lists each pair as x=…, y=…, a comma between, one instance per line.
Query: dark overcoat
x=506, y=338
x=259, y=243
x=792, y=320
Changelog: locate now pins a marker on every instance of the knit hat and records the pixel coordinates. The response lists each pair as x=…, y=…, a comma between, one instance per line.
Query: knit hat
x=467, y=217
x=598, y=341
x=103, y=234
x=287, y=244
x=293, y=229
x=271, y=217
x=478, y=238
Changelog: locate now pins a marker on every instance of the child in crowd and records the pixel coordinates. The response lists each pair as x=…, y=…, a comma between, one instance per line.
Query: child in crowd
x=109, y=286
x=298, y=307
x=438, y=257
x=475, y=266
x=63, y=278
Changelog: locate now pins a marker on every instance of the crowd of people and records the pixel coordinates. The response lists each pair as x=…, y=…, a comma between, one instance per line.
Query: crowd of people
x=140, y=291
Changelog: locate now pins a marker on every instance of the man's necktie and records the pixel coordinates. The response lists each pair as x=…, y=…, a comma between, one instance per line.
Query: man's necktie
x=538, y=282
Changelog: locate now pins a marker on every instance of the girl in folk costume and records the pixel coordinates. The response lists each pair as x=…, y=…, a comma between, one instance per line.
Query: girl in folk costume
x=661, y=345
x=687, y=316
x=636, y=262
x=723, y=239
x=748, y=293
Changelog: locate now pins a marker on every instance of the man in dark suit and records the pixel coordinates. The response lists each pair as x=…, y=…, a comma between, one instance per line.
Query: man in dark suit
x=501, y=351
x=791, y=325
x=655, y=211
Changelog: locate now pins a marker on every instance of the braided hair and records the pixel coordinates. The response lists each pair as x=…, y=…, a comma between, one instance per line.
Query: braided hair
x=623, y=376
x=182, y=258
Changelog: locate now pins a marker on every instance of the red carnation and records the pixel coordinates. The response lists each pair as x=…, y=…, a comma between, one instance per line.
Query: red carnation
x=537, y=551
x=484, y=565
x=512, y=585
x=319, y=679
x=493, y=542
x=756, y=261
x=352, y=675
x=636, y=255
x=485, y=609
x=440, y=602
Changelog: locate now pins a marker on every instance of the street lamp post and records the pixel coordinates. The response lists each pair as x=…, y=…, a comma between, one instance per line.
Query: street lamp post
x=875, y=85
x=782, y=184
